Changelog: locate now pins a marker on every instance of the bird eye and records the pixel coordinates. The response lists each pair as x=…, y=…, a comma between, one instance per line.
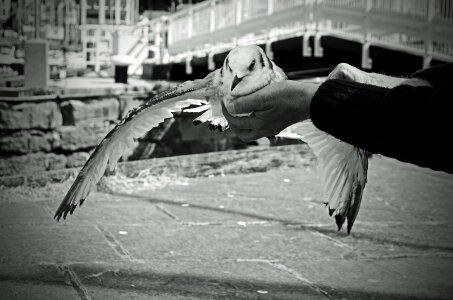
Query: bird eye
x=252, y=65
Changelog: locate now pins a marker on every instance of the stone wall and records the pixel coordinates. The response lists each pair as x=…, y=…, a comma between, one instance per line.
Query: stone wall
x=54, y=134
x=60, y=132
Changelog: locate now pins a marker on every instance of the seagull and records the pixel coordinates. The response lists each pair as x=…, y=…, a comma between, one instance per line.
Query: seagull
x=245, y=70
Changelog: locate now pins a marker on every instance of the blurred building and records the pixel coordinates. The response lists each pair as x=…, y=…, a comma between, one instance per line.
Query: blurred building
x=102, y=21
x=109, y=12
x=70, y=26
x=54, y=20
x=57, y=21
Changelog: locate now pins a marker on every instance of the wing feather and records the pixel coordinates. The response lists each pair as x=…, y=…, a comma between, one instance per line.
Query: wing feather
x=343, y=171
x=136, y=123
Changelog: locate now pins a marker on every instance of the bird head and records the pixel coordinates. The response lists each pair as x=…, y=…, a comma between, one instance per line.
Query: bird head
x=246, y=69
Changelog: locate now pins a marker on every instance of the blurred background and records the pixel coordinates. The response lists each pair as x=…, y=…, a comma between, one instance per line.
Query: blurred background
x=70, y=69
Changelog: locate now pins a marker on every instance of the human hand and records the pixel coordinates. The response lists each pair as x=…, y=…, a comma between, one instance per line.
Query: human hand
x=273, y=108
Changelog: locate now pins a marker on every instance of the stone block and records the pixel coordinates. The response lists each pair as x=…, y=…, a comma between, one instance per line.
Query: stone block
x=30, y=163
x=76, y=159
x=44, y=115
x=94, y=111
x=83, y=136
x=29, y=141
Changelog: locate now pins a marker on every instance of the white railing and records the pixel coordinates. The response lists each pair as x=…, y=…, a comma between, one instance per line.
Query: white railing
x=423, y=27
x=225, y=14
x=405, y=7
x=279, y=5
x=443, y=11
x=201, y=18
x=344, y=4
x=180, y=26
x=252, y=9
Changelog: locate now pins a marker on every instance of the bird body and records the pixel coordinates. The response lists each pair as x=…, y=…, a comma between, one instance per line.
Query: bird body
x=245, y=70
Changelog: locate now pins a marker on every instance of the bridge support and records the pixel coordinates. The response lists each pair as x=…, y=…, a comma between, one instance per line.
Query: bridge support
x=306, y=49
x=319, y=51
x=189, y=65
x=428, y=55
x=427, y=60
x=367, y=62
x=211, y=62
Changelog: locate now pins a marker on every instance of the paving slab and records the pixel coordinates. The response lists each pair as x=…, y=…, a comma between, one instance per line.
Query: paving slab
x=410, y=194
x=24, y=214
x=193, y=280
x=288, y=196
x=402, y=278
x=219, y=242
x=102, y=208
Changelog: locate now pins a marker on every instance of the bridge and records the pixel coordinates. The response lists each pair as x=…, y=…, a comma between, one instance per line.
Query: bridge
x=420, y=28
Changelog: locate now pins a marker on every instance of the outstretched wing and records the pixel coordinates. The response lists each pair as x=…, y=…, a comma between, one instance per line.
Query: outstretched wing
x=343, y=171
x=136, y=123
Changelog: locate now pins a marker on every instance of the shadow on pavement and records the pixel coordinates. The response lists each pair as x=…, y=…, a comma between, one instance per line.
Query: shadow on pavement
x=129, y=281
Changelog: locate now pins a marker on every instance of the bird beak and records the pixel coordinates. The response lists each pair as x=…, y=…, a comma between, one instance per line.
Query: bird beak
x=236, y=80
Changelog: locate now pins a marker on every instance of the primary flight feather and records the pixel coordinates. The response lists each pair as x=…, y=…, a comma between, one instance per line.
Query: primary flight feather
x=245, y=70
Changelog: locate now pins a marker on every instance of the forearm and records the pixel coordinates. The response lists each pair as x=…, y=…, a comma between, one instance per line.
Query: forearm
x=407, y=123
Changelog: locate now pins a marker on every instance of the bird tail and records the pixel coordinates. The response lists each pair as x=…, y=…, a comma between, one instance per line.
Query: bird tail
x=343, y=170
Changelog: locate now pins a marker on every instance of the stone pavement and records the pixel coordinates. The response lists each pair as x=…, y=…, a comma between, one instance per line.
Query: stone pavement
x=246, y=236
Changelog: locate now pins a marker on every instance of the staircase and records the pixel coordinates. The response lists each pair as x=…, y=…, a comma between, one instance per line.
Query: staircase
x=139, y=51
x=133, y=41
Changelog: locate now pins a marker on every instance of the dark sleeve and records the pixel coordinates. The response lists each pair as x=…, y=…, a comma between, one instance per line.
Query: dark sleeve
x=411, y=124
